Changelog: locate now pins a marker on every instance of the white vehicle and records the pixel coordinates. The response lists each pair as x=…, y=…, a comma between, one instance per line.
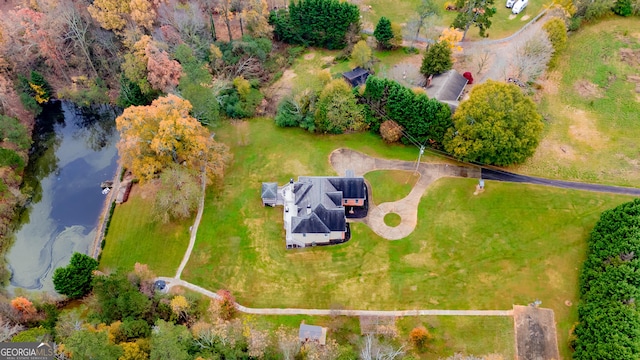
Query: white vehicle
x=510, y=3
x=519, y=6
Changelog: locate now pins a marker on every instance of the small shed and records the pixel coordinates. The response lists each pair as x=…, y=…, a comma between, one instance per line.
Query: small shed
x=447, y=87
x=313, y=333
x=269, y=193
x=123, y=191
x=356, y=77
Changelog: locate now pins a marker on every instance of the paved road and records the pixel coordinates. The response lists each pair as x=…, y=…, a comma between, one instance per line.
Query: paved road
x=171, y=282
x=495, y=174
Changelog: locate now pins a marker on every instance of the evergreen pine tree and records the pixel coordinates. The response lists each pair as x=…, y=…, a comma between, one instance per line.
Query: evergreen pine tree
x=383, y=33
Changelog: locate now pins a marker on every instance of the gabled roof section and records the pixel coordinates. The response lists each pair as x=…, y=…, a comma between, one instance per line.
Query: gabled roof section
x=332, y=199
x=447, y=86
x=269, y=190
x=333, y=219
x=352, y=188
x=310, y=224
x=357, y=76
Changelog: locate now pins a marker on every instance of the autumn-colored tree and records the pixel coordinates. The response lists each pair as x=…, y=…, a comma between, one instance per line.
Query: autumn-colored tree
x=288, y=343
x=163, y=133
x=135, y=64
x=452, y=36
x=390, y=131
x=115, y=14
x=23, y=305
x=110, y=14
x=178, y=195
x=226, y=304
x=258, y=341
x=361, y=55
x=132, y=351
x=163, y=73
x=419, y=337
x=225, y=7
x=256, y=16
x=32, y=36
x=180, y=306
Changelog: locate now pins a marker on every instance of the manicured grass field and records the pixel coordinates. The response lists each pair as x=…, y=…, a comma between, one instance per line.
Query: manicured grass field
x=403, y=12
x=592, y=109
x=134, y=237
x=510, y=245
x=390, y=185
x=469, y=335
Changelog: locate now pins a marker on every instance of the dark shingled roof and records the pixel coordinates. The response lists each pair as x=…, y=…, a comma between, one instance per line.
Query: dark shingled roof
x=356, y=77
x=447, y=87
x=333, y=218
x=269, y=191
x=352, y=188
x=310, y=224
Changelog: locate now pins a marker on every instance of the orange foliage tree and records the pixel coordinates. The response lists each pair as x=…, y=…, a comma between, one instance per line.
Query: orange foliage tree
x=163, y=73
x=163, y=133
x=23, y=305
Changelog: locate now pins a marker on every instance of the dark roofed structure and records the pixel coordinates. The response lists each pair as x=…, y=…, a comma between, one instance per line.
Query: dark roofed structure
x=356, y=77
x=352, y=188
x=447, y=88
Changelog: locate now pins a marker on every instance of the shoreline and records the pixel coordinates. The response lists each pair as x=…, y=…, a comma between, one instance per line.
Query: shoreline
x=96, y=249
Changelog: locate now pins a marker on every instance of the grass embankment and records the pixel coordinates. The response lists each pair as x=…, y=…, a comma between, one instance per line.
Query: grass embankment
x=403, y=12
x=592, y=109
x=135, y=237
x=390, y=185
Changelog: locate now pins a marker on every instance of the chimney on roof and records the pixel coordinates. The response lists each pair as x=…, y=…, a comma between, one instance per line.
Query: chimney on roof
x=308, y=209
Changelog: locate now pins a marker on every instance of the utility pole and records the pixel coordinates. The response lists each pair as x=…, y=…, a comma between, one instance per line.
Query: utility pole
x=419, y=157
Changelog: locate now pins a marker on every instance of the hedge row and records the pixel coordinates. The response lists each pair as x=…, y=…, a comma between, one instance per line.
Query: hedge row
x=609, y=320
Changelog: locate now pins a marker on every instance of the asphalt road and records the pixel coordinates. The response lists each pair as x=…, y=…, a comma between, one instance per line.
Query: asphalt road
x=493, y=174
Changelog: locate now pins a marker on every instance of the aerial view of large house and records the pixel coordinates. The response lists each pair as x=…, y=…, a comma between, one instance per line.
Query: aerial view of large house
x=316, y=208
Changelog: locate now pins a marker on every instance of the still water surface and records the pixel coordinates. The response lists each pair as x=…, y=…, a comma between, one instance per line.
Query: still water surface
x=74, y=151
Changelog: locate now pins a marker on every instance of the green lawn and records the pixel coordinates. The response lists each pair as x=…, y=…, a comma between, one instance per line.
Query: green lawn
x=134, y=237
x=510, y=245
x=503, y=24
x=592, y=110
x=390, y=185
x=470, y=335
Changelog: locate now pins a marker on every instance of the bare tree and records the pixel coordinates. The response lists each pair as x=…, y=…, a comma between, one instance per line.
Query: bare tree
x=372, y=349
x=482, y=59
x=426, y=9
x=77, y=30
x=531, y=57
x=288, y=344
x=8, y=330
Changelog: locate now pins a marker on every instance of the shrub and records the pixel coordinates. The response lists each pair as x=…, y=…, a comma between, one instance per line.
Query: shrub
x=390, y=131
x=226, y=304
x=557, y=33
x=419, y=337
x=623, y=8
x=12, y=130
x=12, y=159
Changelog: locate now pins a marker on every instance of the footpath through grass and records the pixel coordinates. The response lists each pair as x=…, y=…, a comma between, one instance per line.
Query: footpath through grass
x=135, y=237
x=592, y=109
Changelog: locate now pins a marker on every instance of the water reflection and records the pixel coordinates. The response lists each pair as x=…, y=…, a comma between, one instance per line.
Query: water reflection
x=73, y=152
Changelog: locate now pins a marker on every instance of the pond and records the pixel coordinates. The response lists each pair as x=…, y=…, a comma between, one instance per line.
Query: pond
x=73, y=152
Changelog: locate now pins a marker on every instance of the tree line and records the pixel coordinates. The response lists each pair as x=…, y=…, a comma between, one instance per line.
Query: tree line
x=608, y=318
